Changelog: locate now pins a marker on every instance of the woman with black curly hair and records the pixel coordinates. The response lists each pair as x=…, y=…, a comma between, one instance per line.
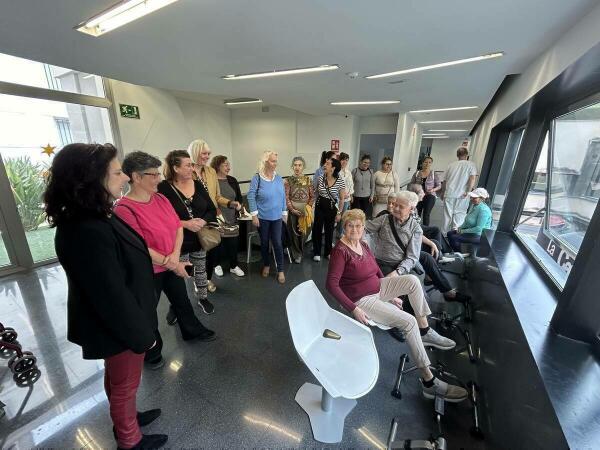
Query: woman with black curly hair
x=111, y=306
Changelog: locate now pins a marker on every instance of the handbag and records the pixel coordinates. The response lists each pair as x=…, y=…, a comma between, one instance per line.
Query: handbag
x=226, y=230
x=209, y=235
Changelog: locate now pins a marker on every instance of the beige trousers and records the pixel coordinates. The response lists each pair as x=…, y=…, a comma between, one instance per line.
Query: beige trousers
x=378, y=308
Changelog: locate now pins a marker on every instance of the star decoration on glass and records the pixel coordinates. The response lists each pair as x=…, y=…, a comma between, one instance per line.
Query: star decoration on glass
x=48, y=150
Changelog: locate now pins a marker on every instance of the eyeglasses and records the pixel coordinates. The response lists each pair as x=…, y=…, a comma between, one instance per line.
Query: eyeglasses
x=152, y=174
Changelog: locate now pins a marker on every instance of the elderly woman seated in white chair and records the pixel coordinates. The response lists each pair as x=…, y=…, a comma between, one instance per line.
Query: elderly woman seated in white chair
x=356, y=281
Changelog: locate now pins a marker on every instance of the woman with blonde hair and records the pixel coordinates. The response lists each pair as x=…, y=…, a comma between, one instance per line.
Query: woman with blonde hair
x=266, y=199
x=299, y=195
x=200, y=153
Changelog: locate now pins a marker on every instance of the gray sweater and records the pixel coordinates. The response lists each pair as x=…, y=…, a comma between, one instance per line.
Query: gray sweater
x=364, y=182
x=387, y=250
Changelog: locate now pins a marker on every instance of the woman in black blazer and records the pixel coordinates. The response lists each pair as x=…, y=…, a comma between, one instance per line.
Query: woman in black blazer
x=111, y=306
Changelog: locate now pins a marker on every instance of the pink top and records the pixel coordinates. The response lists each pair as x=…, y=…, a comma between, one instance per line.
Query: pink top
x=352, y=276
x=156, y=221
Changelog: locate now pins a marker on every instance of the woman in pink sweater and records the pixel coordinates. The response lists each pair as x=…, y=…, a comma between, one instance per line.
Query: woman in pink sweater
x=356, y=281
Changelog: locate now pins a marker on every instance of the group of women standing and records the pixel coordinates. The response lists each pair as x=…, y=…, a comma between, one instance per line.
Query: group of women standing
x=120, y=253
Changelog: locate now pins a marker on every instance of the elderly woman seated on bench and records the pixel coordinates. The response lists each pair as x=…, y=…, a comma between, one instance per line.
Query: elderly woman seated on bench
x=356, y=281
x=478, y=218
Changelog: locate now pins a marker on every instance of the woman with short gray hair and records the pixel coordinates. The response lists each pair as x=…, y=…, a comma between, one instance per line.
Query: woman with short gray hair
x=152, y=216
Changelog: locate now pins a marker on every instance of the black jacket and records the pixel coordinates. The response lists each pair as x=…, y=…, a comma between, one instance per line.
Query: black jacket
x=202, y=208
x=233, y=182
x=111, y=304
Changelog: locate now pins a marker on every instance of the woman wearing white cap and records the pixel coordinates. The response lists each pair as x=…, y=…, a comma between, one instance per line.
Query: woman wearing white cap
x=478, y=218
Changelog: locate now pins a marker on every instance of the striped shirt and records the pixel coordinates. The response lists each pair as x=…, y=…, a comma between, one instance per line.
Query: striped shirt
x=332, y=192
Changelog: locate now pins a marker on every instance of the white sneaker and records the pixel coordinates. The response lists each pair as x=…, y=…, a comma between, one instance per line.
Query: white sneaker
x=219, y=271
x=237, y=271
x=316, y=258
x=449, y=392
x=433, y=339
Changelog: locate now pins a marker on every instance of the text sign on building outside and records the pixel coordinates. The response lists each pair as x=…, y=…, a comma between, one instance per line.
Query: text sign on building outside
x=129, y=111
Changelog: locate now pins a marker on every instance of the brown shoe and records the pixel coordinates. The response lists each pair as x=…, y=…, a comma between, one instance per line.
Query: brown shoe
x=281, y=277
x=265, y=271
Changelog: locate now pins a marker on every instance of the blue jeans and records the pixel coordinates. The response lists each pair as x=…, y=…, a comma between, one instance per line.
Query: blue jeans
x=270, y=230
x=455, y=239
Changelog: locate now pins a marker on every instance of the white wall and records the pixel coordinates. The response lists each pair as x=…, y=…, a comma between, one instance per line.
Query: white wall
x=242, y=134
x=572, y=45
x=162, y=126
x=406, y=150
x=443, y=152
x=384, y=124
x=209, y=122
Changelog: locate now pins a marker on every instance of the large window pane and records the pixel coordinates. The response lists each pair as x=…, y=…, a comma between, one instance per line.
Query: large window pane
x=508, y=164
x=28, y=125
x=531, y=226
x=32, y=73
x=575, y=175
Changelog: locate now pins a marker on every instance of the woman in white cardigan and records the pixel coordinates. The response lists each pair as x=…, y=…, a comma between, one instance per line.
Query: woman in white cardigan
x=386, y=182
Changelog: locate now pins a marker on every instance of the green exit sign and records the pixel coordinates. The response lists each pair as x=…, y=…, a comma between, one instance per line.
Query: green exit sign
x=129, y=111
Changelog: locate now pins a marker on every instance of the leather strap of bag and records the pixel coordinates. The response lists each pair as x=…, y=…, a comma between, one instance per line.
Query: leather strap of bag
x=189, y=209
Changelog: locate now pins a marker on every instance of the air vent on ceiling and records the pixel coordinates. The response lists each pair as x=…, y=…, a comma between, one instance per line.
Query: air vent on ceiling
x=265, y=109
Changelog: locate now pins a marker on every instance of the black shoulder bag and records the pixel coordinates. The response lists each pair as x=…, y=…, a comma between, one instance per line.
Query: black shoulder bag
x=417, y=268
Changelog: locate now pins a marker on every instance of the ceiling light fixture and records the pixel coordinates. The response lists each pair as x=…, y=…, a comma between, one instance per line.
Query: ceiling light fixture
x=446, y=131
x=375, y=102
x=433, y=134
x=444, y=109
x=437, y=66
x=242, y=101
x=446, y=121
x=120, y=14
x=435, y=137
x=276, y=73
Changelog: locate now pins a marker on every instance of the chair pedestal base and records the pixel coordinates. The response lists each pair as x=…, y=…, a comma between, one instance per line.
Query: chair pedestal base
x=326, y=414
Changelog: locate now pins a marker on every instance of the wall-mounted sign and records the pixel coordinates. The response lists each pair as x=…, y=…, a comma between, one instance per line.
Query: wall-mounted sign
x=335, y=145
x=129, y=111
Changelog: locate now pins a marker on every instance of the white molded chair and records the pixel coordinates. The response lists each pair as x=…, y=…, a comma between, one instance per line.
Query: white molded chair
x=345, y=362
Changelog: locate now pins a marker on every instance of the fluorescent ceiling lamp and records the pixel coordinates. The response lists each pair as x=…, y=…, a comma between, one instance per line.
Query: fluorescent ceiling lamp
x=276, y=73
x=378, y=102
x=446, y=121
x=437, y=66
x=120, y=14
x=444, y=109
x=446, y=131
x=436, y=137
x=242, y=102
x=434, y=134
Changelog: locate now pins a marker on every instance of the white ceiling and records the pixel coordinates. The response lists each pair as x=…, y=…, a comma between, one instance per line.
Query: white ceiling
x=188, y=45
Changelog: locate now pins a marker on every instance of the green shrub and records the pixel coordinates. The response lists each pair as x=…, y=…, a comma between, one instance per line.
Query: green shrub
x=28, y=184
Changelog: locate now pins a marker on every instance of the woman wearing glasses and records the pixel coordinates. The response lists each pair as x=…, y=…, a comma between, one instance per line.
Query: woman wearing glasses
x=386, y=182
x=200, y=154
x=152, y=216
x=195, y=209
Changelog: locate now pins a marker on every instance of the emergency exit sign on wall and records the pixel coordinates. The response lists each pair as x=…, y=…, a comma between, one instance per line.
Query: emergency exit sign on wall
x=129, y=111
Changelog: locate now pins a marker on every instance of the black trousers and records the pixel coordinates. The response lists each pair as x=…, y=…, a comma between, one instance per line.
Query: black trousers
x=228, y=251
x=424, y=208
x=431, y=268
x=325, y=212
x=364, y=204
x=174, y=288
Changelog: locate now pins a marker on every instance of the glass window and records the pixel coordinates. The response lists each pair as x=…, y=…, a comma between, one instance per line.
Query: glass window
x=561, y=201
x=506, y=169
x=33, y=73
x=575, y=175
x=31, y=132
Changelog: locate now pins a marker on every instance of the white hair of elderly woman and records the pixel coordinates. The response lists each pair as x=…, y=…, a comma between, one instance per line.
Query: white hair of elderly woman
x=263, y=160
x=408, y=197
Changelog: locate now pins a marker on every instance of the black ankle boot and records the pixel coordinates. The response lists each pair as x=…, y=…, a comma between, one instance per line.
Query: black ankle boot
x=144, y=418
x=150, y=441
